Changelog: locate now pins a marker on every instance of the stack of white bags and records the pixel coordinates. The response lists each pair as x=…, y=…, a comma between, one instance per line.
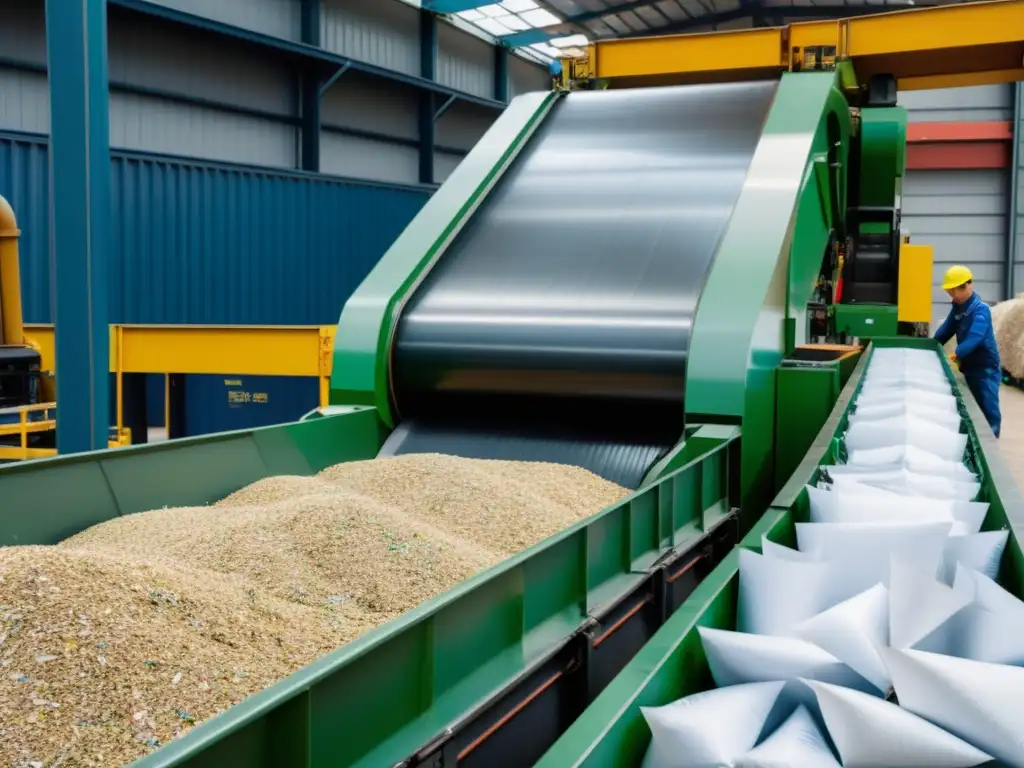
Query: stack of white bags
x=890, y=594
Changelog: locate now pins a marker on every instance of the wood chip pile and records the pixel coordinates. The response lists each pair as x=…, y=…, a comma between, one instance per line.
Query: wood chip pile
x=121, y=638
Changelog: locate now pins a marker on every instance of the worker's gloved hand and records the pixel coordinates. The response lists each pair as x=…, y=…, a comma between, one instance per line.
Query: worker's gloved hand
x=954, y=361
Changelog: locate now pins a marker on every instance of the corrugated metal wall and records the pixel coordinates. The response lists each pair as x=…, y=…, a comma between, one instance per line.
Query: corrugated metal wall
x=170, y=93
x=176, y=93
x=962, y=213
x=279, y=18
x=201, y=242
x=525, y=77
x=382, y=33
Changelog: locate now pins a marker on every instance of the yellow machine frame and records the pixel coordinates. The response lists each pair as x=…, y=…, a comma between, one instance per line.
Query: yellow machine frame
x=948, y=46
x=914, y=291
x=241, y=350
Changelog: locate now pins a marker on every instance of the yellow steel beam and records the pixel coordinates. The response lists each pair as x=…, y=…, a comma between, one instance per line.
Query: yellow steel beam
x=286, y=350
x=15, y=453
x=41, y=337
x=740, y=54
x=923, y=48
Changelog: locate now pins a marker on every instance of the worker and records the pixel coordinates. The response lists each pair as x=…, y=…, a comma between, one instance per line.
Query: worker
x=977, y=354
x=555, y=70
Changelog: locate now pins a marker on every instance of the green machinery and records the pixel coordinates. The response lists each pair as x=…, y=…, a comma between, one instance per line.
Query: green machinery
x=656, y=330
x=613, y=733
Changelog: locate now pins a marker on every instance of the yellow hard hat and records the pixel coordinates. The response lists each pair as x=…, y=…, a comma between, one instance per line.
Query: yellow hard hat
x=955, y=276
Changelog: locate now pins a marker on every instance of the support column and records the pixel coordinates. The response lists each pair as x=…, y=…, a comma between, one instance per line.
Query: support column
x=501, y=73
x=428, y=71
x=309, y=85
x=177, y=410
x=135, y=412
x=1015, y=230
x=76, y=52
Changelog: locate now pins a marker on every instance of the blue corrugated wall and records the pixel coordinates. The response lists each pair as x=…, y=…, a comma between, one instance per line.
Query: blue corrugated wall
x=198, y=242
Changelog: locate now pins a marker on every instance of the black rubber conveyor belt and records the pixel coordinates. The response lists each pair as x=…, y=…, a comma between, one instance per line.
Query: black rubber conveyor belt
x=556, y=326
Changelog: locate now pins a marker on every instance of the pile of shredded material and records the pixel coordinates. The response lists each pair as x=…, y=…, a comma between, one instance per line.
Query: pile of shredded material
x=119, y=639
x=1008, y=323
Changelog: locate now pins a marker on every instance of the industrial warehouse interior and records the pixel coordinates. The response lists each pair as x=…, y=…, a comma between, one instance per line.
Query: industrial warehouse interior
x=435, y=383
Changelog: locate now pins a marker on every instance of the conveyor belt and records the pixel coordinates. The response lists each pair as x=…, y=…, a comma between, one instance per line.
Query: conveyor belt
x=556, y=326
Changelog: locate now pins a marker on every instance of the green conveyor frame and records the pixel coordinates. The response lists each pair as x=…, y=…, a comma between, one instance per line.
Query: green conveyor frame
x=612, y=732
x=751, y=311
x=385, y=696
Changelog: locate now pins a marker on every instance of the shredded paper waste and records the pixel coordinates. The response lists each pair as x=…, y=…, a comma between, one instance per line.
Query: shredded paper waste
x=883, y=638
x=123, y=637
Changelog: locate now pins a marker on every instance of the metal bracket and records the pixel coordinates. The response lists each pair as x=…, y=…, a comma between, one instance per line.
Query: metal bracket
x=444, y=108
x=334, y=78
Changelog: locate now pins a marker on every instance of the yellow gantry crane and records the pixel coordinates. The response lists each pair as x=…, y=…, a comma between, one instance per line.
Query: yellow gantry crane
x=941, y=47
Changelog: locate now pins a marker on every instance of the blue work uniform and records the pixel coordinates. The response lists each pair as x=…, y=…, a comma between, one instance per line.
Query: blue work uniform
x=976, y=353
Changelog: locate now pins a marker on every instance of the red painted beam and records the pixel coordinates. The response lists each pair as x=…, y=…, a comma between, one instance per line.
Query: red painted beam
x=958, y=155
x=958, y=146
x=943, y=132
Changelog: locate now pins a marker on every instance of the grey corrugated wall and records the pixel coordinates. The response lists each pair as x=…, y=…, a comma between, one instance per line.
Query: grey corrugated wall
x=226, y=102
x=961, y=213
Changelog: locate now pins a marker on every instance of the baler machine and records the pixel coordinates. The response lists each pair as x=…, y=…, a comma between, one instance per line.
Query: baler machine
x=644, y=277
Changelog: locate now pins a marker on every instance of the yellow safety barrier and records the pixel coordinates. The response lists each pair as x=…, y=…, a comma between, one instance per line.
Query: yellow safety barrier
x=243, y=350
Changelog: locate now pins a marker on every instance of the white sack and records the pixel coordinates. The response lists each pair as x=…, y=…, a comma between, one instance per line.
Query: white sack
x=990, y=628
x=736, y=658
x=798, y=742
x=849, y=504
x=872, y=733
x=940, y=416
x=779, y=552
x=981, y=552
x=713, y=728
x=776, y=594
x=944, y=443
x=942, y=401
x=918, y=604
x=863, y=550
x=976, y=701
x=853, y=631
x=908, y=483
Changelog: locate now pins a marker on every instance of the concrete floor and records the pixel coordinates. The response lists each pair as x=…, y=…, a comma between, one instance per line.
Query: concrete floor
x=1011, y=440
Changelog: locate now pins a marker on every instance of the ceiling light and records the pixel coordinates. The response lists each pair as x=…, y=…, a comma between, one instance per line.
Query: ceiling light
x=569, y=41
x=513, y=22
x=540, y=18
x=493, y=26
x=518, y=6
x=546, y=50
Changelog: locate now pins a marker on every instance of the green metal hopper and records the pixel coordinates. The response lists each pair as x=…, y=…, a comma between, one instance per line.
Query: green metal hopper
x=612, y=732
